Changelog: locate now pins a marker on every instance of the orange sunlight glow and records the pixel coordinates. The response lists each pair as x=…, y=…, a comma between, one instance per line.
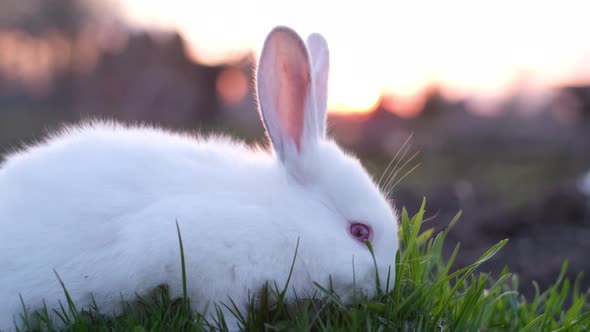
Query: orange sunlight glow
x=232, y=86
x=397, y=47
x=31, y=59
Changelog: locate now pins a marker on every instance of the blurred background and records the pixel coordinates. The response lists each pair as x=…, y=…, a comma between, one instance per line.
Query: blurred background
x=495, y=97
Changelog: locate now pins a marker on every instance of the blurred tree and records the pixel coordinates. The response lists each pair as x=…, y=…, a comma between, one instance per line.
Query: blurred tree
x=435, y=103
x=582, y=96
x=37, y=17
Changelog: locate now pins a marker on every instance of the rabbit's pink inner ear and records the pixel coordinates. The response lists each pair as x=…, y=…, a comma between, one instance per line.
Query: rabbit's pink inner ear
x=294, y=84
x=284, y=83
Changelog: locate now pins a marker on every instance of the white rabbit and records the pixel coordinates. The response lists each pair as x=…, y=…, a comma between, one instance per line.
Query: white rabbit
x=99, y=202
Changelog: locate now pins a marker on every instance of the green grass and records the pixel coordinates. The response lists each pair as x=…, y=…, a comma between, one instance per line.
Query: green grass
x=427, y=294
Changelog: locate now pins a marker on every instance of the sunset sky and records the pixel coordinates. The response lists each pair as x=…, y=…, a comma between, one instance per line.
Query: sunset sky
x=398, y=47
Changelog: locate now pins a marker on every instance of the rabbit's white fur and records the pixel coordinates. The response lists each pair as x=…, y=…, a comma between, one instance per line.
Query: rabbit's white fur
x=98, y=204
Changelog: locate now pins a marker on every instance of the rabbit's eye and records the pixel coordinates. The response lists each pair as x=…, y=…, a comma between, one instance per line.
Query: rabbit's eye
x=360, y=232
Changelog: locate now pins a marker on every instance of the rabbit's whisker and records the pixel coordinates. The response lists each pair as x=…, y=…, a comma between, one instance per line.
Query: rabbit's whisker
x=397, y=168
x=392, y=171
x=403, y=177
x=391, y=181
x=393, y=159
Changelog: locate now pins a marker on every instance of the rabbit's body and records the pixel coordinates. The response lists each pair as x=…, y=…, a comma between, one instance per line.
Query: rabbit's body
x=99, y=205
x=127, y=217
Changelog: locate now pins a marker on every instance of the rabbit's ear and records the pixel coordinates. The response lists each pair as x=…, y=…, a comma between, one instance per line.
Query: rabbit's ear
x=285, y=95
x=320, y=67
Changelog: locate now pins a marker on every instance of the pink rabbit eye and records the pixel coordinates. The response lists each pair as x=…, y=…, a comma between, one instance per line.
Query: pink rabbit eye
x=360, y=232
